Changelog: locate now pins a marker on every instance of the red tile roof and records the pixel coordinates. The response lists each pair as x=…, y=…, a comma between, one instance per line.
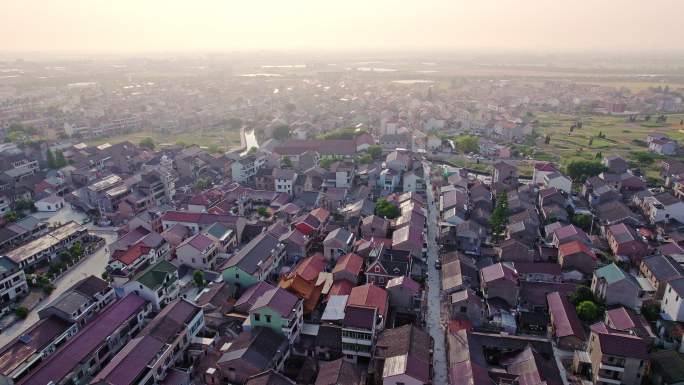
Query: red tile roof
x=132, y=254
x=351, y=262
x=575, y=247
x=369, y=295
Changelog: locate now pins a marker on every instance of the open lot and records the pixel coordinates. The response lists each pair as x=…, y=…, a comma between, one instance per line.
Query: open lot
x=621, y=136
x=224, y=139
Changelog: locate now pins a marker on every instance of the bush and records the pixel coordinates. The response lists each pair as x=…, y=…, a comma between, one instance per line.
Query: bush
x=588, y=311
x=21, y=312
x=386, y=210
x=263, y=211
x=198, y=277
x=147, y=143
x=651, y=312
x=581, y=294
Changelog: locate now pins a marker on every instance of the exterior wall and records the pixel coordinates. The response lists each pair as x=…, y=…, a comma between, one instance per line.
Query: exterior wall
x=236, y=276
x=672, y=306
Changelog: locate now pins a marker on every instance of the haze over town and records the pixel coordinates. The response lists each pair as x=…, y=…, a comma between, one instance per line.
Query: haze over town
x=341, y=193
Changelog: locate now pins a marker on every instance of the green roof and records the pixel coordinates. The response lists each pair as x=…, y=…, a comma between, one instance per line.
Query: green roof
x=155, y=275
x=611, y=273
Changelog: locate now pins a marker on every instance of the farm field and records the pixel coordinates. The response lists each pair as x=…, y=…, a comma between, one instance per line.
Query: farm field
x=202, y=138
x=619, y=137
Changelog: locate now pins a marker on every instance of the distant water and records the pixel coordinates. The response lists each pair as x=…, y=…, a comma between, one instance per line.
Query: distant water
x=413, y=81
x=285, y=66
x=263, y=75
x=375, y=69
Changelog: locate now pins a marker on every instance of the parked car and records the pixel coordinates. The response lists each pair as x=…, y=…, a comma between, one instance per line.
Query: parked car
x=438, y=264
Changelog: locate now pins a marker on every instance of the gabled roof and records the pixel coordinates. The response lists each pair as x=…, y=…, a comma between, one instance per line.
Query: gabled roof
x=154, y=276
x=565, y=319
x=371, y=296
x=280, y=300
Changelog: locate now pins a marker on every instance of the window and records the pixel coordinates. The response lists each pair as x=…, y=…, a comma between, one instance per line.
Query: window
x=268, y=318
x=257, y=317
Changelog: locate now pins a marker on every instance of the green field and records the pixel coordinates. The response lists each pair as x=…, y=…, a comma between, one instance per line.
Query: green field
x=621, y=137
x=202, y=138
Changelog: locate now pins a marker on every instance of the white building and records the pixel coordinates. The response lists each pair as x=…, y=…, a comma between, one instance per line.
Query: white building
x=284, y=180
x=672, y=305
x=663, y=207
x=12, y=282
x=559, y=181
x=247, y=167
x=50, y=203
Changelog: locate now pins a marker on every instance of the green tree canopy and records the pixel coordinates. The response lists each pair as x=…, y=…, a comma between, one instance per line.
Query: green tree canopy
x=60, y=161
x=285, y=161
x=499, y=218
x=386, y=209
x=467, y=143
x=51, y=159
x=582, y=293
x=281, y=132
x=375, y=151
x=263, y=211
x=588, y=311
x=580, y=170
x=198, y=277
x=147, y=143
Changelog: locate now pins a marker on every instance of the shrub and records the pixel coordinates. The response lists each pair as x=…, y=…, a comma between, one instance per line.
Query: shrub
x=21, y=312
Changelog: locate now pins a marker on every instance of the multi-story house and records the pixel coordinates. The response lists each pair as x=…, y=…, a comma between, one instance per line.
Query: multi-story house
x=617, y=287
x=279, y=310
x=359, y=333
x=47, y=247
x=86, y=353
x=162, y=344
x=39, y=341
x=81, y=302
x=198, y=252
x=247, y=167
x=254, y=262
x=663, y=208
x=616, y=357
x=158, y=284
x=12, y=283
x=672, y=305
x=284, y=180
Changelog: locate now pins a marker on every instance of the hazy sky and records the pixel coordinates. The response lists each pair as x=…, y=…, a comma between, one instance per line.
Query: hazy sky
x=223, y=25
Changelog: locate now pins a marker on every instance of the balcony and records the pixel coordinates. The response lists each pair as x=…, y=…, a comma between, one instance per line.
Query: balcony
x=607, y=380
x=611, y=368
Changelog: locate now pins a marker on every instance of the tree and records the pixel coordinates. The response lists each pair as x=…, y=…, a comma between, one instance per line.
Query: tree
x=386, y=209
x=147, y=143
x=24, y=205
x=263, y=211
x=21, y=312
x=60, y=161
x=591, y=141
x=467, y=143
x=281, y=132
x=580, y=170
x=51, y=160
x=252, y=150
x=202, y=184
x=11, y=216
x=582, y=221
x=547, y=139
x=375, y=151
x=286, y=161
x=651, y=312
x=588, y=311
x=198, y=277
x=499, y=218
x=76, y=251
x=582, y=293
x=365, y=159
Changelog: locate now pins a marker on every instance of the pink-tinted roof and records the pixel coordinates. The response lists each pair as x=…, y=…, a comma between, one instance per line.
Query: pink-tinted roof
x=200, y=242
x=404, y=281
x=565, y=319
x=369, y=295
x=342, y=287
x=498, y=271
x=620, y=318
x=545, y=167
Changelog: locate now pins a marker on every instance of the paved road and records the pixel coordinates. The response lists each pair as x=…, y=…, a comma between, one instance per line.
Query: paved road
x=434, y=307
x=92, y=265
